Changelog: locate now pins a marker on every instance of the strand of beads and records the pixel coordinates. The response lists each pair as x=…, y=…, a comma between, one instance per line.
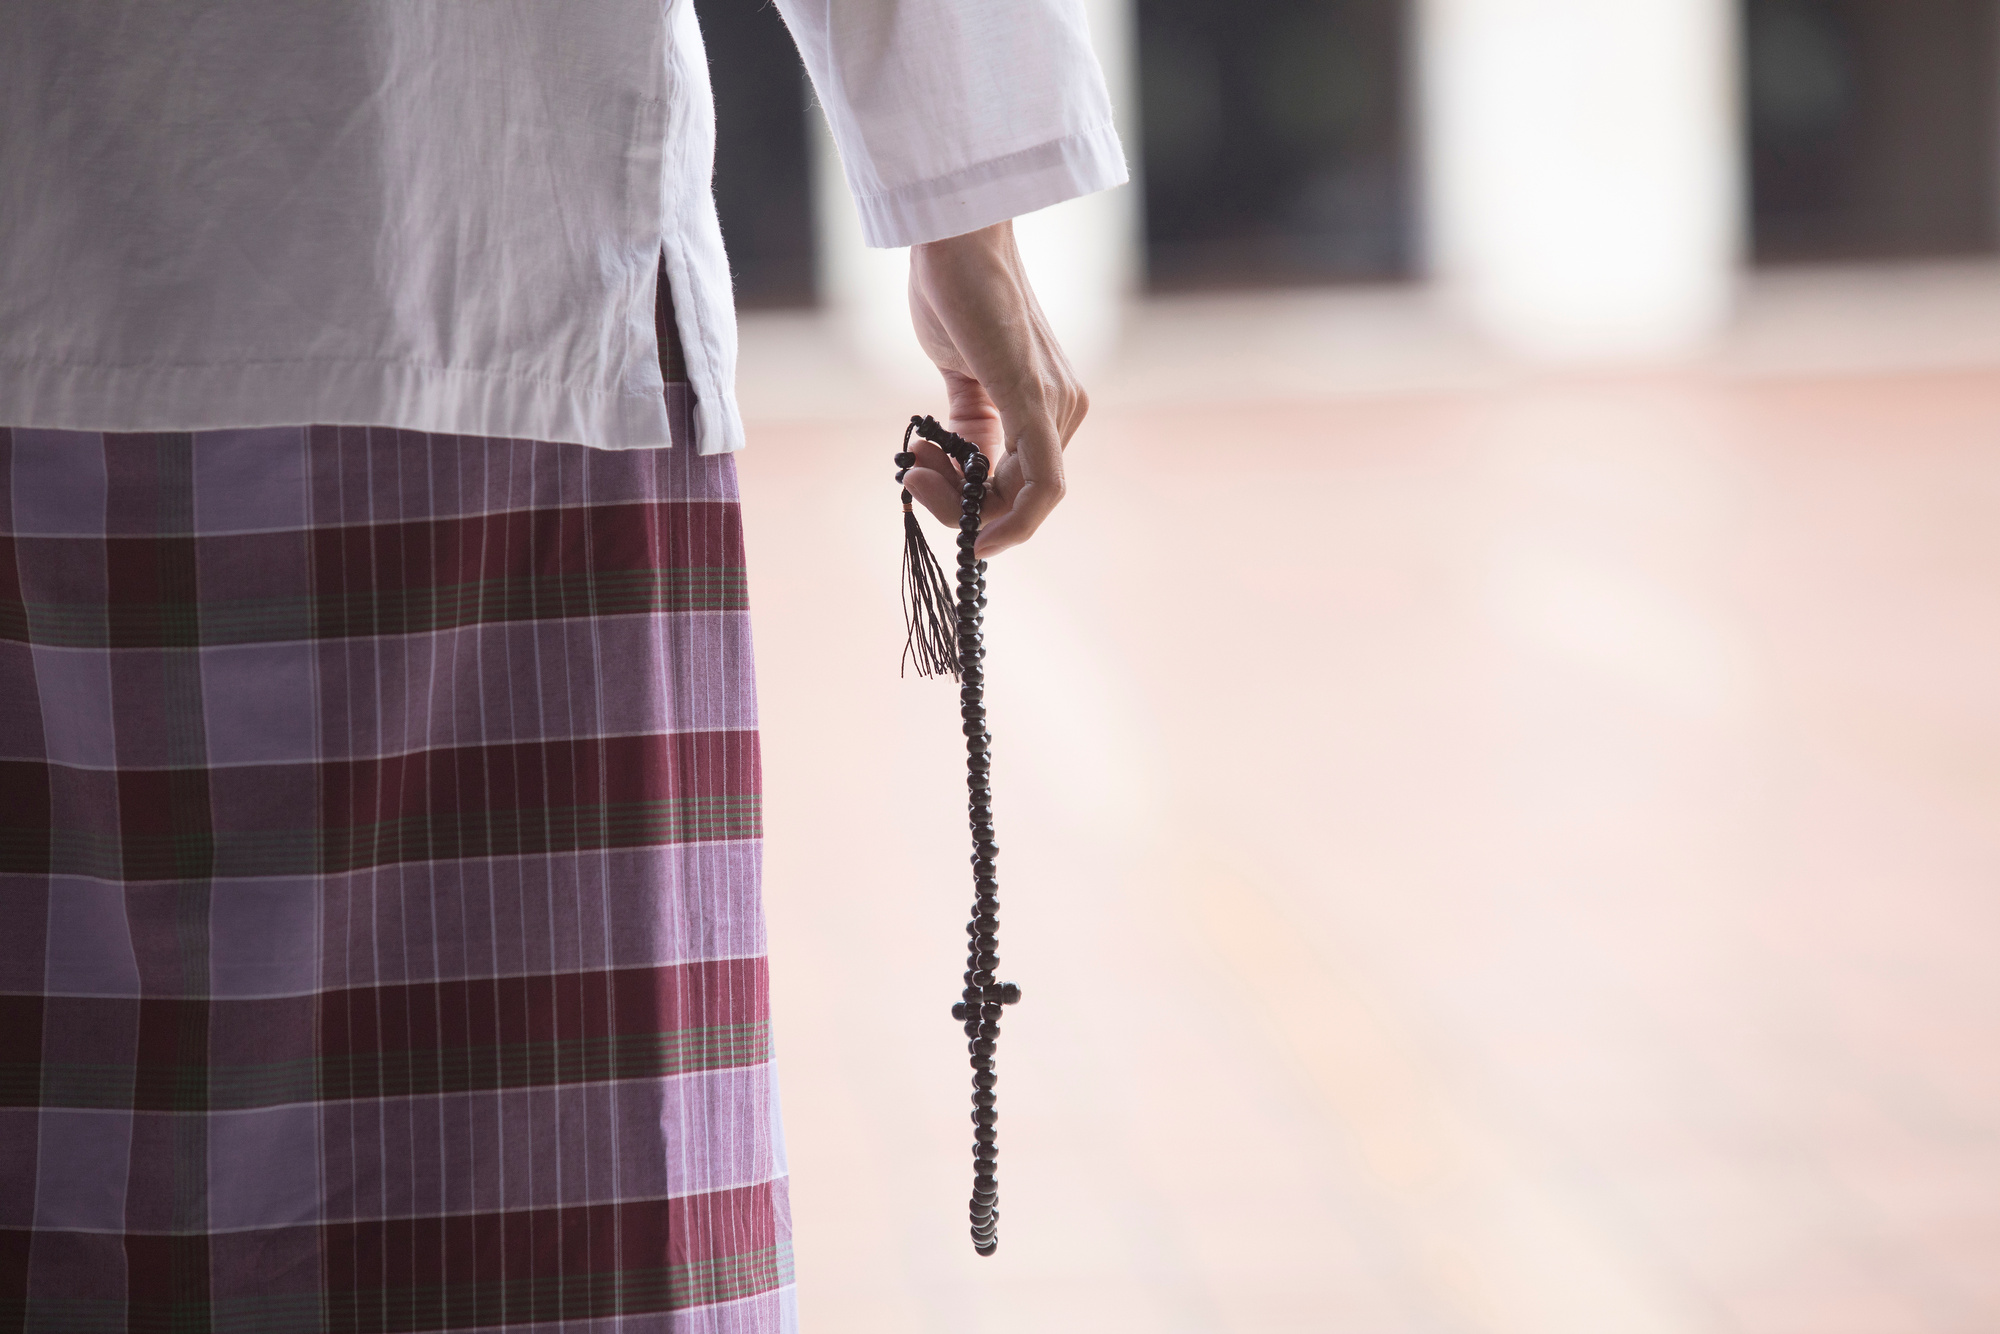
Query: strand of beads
x=983, y=996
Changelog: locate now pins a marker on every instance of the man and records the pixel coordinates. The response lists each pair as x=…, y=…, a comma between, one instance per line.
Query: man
x=378, y=770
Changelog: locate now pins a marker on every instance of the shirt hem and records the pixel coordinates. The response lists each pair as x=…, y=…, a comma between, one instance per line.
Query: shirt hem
x=994, y=190
x=244, y=395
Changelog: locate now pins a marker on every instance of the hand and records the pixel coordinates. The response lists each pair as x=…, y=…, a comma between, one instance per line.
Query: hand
x=1007, y=384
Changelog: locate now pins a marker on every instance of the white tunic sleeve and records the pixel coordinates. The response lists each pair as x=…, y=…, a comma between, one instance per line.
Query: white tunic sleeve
x=951, y=115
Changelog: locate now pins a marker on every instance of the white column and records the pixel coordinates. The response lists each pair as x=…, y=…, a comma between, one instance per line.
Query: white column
x=1582, y=170
x=1083, y=256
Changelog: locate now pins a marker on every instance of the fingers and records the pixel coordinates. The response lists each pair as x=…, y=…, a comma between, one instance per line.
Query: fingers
x=933, y=481
x=1030, y=485
x=1027, y=479
x=1012, y=391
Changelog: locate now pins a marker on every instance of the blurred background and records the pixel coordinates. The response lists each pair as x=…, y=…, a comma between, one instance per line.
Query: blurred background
x=1498, y=756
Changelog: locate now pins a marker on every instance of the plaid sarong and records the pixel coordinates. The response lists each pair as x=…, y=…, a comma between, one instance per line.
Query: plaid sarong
x=380, y=942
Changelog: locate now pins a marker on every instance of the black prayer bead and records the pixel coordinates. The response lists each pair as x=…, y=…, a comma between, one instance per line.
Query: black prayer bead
x=979, y=1009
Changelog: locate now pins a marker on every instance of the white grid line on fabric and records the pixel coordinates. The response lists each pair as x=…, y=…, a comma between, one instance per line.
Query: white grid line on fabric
x=468, y=860
x=363, y=525
x=603, y=863
x=305, y=762
x=344, y=1220
x=425, y=981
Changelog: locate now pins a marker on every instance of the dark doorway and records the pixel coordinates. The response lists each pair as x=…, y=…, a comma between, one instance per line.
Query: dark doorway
x=763, y=182
x=1276, y=139
x=1874, y=130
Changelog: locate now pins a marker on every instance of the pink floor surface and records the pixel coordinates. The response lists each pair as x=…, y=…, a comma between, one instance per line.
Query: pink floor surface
x=1520, y=860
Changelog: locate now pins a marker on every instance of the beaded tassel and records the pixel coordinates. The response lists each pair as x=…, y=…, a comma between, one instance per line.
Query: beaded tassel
x=930, y=635
x=980, y=1003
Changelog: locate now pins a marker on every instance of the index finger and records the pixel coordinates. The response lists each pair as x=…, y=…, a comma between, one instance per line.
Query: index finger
x=1039, y=458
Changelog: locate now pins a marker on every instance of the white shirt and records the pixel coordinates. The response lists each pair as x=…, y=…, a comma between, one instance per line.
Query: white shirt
x=449, y=215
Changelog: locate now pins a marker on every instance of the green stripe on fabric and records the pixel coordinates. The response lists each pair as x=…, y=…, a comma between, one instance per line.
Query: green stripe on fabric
x=587, y=828
x=414, y=1308
x=730, y=1278
x=394, y=611
x=391, y=1074
x=68, y=1315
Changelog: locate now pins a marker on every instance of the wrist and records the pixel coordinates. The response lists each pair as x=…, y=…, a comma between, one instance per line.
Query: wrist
x=997, y=237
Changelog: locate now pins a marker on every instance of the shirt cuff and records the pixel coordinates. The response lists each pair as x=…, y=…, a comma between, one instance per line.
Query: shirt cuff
x=994, y=190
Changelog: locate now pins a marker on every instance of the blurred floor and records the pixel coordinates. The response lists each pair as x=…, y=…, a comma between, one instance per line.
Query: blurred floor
x=1517, y=858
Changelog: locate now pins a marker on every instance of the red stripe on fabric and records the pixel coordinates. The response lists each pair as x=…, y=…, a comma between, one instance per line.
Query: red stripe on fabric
x=167, y=1270
x=134, y=484
x=544, y=543
x=146, y=803
x=548, y=1243
x=168, y=808
x=26, y=814
x=721, y=1223
x=540, y=775
x=14, y=1246
x=143, y=571
x=10, y=572
x=170, y=1064
x=21, y=1050
x=564, y=1007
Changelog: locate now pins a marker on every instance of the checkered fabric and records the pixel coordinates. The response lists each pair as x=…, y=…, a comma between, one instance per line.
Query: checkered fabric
x=380, y=943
